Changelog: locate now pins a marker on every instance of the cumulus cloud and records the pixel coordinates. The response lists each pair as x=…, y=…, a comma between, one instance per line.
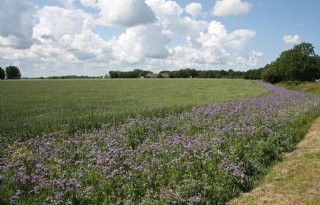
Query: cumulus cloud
x=257, y=54
x=231, y=8
x=68, y=3
x=218, y=36
x=55, y=22
x=194, y=9
x=214, y=56
x=217, y=46
x=166, y=11
x=125, y=13
x=291, y=39
x=137, y=43
x=86, y=45
x=246, y=62
x=169, y=16
x=16, y=23
x=239, y=39
x=66, y=42
x=188, y=27
x=89, y=3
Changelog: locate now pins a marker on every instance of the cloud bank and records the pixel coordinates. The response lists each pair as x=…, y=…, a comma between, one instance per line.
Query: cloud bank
x=155, y=35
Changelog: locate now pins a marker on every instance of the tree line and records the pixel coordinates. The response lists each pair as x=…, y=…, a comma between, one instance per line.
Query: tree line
x=10, y=72
x=299, y=63
x=182, y=73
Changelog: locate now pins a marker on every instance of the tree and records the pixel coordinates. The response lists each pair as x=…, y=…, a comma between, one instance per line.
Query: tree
x=13, y=72
x=2, y=74
x=297, y=64
x=255, y=74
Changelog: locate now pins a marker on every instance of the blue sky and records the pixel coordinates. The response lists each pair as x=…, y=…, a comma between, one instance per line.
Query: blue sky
x=91, y=37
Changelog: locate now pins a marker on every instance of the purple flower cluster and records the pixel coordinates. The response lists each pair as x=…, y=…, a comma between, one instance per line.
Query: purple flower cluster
x=204, y=156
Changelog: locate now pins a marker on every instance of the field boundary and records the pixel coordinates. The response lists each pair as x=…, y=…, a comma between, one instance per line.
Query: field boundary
x=295, y=180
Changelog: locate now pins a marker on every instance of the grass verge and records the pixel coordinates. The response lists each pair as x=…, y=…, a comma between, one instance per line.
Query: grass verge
x=310, y=87
x=296, y=180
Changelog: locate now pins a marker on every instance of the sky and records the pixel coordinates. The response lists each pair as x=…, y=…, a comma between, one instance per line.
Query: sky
x=92, y=37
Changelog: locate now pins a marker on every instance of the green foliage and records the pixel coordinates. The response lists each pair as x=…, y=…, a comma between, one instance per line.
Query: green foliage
x=35, y=106
x=297, y=64
x=187, y=73
x=137, y=73
x=13, y=72
x=272, y=73
x=182, y=73
x=2, y=74
x=255, y=74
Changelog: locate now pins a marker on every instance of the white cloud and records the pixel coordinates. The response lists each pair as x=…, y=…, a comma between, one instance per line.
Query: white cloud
x=65, y=42
x=166, y=11
x=214, y=56
x=125, y=13
x=246, y=62
x=218, y=36
x=68, y=3
x=195, y=9
x=86, y=45
x=291, y=39
x=55, y=22
x=89, y=3
x=239, y=39
x=187, y=26
x=257, y=54
x=16, y=23
x=217, y=47
x=65, y=45
x=140, y=42
x=169, y=15
x=231, y=8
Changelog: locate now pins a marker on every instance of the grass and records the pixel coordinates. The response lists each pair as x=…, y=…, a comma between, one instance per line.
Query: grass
x=310, y=87
x=31, y=107
x=296, y=180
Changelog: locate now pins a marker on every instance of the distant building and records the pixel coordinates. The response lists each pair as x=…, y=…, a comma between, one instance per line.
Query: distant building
x=164, y=75
x=152, y=75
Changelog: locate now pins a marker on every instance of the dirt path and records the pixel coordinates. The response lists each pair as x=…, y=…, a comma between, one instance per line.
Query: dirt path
x=296, y=180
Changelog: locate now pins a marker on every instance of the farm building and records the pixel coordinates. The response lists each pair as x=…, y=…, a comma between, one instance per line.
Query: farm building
x=164, y=75
x=152, y=75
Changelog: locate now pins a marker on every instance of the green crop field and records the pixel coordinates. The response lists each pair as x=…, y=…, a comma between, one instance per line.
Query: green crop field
x=30, y=107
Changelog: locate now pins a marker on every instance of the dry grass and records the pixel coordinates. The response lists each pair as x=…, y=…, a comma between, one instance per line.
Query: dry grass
x=296, y=180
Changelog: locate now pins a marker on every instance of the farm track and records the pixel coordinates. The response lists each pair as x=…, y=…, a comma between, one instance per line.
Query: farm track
x=296, y=180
